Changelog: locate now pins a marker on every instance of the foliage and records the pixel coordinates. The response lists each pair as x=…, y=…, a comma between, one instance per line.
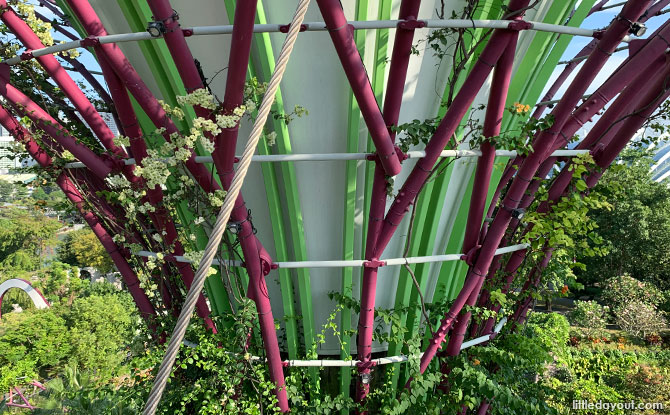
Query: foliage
x=22, y=229
x=98, y=327
x=552, y=330
x=11, y=192
x=640, y=319
x=591, y=316
x=83, y=249
x=32, y=342
x=92, y=335
x=624, y=289
x=59, y=282
x=636, y=231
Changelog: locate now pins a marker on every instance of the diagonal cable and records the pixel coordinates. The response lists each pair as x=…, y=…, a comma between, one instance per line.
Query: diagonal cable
x=224, y=214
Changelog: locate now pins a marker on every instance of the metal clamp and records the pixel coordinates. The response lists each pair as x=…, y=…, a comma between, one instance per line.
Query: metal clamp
x=374, y=263
x=284, y=28
x=519, y=25
x=90, y=41
x=411, y=23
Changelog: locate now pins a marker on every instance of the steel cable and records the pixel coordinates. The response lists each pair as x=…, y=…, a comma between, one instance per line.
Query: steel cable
x=224, y=214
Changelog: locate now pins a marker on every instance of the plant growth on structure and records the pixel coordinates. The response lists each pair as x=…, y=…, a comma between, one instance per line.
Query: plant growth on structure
x=146, y=208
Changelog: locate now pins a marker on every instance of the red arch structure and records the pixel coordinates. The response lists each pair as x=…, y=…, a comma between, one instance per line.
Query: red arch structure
x=629, y=97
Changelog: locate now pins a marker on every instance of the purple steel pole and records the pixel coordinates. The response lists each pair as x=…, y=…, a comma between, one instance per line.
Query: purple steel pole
x=343, y=40
x=400, y=56
x=565, y=74
x=624, y=75
x=610, y=39
x=98, y=165
x=224, y=156
x=49, y=62
x=125, y=71
x=593, y=140
x=155, y=195
x=658, y=92
x=492, y=124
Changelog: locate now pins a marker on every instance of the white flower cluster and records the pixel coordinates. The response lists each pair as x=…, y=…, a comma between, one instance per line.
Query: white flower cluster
x=121, y=140
x=216, y=199
x=200, y=97
x=172, y=112
x=271, y=138
x=154, y=170
x=118, y=181
x=147, y=207
x=194, y=256
x=42, y=29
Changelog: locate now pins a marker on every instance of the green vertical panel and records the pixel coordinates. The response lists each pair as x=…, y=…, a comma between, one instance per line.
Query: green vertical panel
x=537, y=51
x=448, y=279
x=527, y=81
x=291, y=187
x=272, y=192
x=533, y=91
x=353, y=126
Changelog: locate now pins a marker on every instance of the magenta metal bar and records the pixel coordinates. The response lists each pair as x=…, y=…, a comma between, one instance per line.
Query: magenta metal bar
x=654, y=47
x=98, y=165
x=542, y=143
x=82, y=70
x=125, y=71
x=343, y=40
x=658, y=92
x=491, y=53
x=224, y=156
x=627, y=74
x=49, y=62
x=648, y=104
x=238, y=62
x=570, y=67
x=400, y=56
x=402, y=47
x=492, y=124
x=130, y=279
x=162, y=220
x=597, y=7
x=629, y=97
x=482, y=68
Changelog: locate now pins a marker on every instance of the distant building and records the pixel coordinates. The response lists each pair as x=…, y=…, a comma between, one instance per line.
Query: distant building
x=7, y=161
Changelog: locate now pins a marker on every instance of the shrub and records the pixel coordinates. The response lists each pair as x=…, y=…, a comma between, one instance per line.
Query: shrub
x=624, y=289
x=589, y=315
x=552, y=330
x=650, y=384
x=100, y=327
x=640, y=319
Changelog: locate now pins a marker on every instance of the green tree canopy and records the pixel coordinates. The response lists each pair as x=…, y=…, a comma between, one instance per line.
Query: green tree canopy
x=23, y=229
x=83, y=249
x=637, y=230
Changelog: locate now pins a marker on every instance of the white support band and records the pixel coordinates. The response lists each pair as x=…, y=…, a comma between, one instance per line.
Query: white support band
x=383, y=360
x=313, y=26
x=277, y=158
x=355, y=263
